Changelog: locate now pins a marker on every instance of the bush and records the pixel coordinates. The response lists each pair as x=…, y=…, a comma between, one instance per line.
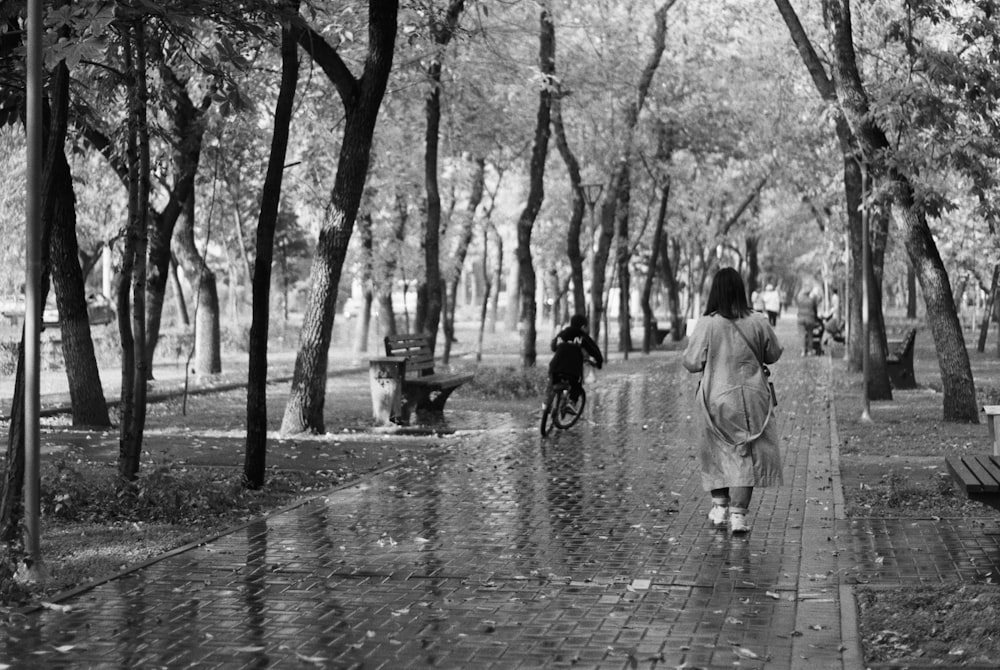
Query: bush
x=165, y=493
x=509, y=383
x=236, y=338
x=8, y=358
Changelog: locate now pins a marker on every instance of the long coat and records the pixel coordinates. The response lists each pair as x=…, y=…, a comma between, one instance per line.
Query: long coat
x=735, y=427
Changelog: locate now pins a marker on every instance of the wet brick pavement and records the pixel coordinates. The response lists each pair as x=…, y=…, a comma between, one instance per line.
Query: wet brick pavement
x=589, y=549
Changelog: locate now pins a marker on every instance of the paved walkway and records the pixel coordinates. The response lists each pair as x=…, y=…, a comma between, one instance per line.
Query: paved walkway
x=500, y=549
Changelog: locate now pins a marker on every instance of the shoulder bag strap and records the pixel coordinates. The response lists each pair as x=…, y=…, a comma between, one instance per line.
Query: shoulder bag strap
x=746, y=339
x=760, y=361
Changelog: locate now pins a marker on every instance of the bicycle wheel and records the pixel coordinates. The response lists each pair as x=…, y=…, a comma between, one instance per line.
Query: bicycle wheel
x=566, y=412
x=548, y=413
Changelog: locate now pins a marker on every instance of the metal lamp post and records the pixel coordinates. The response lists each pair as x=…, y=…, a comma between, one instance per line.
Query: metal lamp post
x=866, y=269
x=32, y=297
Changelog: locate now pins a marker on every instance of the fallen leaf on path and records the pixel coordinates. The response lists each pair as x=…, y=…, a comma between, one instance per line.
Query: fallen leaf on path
x=315, y=660
x=56, y=607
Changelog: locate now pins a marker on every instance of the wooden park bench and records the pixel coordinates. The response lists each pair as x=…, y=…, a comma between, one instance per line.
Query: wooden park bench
x=899, y=361
x=978, y=476
x=423, y=389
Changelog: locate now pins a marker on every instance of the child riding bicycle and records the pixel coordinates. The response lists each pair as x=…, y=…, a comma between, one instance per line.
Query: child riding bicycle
x=570, y=346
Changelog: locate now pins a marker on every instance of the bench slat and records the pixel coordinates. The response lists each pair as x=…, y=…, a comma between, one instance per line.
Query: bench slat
x=962, y=473
x=988, y=483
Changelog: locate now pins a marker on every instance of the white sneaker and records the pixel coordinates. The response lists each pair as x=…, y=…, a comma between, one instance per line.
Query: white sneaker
x=718, y=515
x=738, y=522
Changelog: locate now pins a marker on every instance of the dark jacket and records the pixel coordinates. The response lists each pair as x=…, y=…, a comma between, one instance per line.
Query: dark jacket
x=569, y=346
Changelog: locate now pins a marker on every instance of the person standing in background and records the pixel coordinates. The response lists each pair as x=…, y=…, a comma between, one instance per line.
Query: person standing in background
x=807, y=306
x=772, y=304
x=757, y=301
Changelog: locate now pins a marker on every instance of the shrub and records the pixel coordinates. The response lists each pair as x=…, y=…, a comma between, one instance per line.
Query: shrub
x=236, y=338
x=8, y=358
x=509, y=383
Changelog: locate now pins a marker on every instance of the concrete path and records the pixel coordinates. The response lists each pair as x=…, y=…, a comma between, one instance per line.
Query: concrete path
x=500, y=549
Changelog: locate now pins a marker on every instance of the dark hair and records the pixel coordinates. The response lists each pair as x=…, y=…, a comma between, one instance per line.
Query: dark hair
x=728, y=295
x=578, y=321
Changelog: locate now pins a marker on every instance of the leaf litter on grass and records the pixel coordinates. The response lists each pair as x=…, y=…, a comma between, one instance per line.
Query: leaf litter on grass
x=893, y=467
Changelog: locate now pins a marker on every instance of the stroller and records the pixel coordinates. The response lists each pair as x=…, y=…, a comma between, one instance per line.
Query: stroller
x=826, y=331
x=817, y=338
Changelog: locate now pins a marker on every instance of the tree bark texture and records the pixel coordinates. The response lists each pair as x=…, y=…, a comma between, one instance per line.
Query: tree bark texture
x=647, y=288
x=189, y=129
x=668, y=275
x=536, y=191
x=577, y=210
x=631, y=112
x=463, y=240
x=255, y=451
x=207, y=330
x=89, y=407
x=953, y=358
x=362, y=99
x=622, y=256
x=133, y=276
x=442, y=29
x=991, y=297
x=363, y=325
x=12, y=495
x=879, y=385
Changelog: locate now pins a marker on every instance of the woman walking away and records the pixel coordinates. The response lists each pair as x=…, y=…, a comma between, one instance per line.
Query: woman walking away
x=739, y=443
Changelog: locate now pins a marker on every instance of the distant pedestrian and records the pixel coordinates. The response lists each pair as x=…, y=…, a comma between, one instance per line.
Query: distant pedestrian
x=833, y=325
x=757, y=301
x=738, y=441
x=772, y=304
x=807, y=313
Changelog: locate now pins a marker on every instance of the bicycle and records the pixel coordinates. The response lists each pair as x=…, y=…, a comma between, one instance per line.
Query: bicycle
x=559, y=409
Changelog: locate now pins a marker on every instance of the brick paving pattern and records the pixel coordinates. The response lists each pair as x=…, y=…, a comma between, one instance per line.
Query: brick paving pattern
x=500, y=549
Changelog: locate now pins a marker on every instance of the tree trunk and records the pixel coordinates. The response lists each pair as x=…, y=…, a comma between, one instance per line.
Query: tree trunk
x=208, y=340
x=623, y=256
x=753, y=266
x=577, y=210
x=12, y=498
x=367, y=280
x=89, y=407
x=492, y=316
x=362, y=99
x=175, y=281
x=611, y=201
x=442, y=29
x=988, y=312
x=879, y=385
x=188, y=131
x=668, y=275
x=648, y=324
x=255, y=453
x=484, y=306
x=953, y=359
x=911, y=293
x=132, y=330
x=536, y=190
x=387, y=312
x=12, y=495
x=464, y=236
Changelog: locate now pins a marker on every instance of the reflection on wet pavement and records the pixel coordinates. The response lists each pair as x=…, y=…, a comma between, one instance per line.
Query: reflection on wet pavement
x=499, y=549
